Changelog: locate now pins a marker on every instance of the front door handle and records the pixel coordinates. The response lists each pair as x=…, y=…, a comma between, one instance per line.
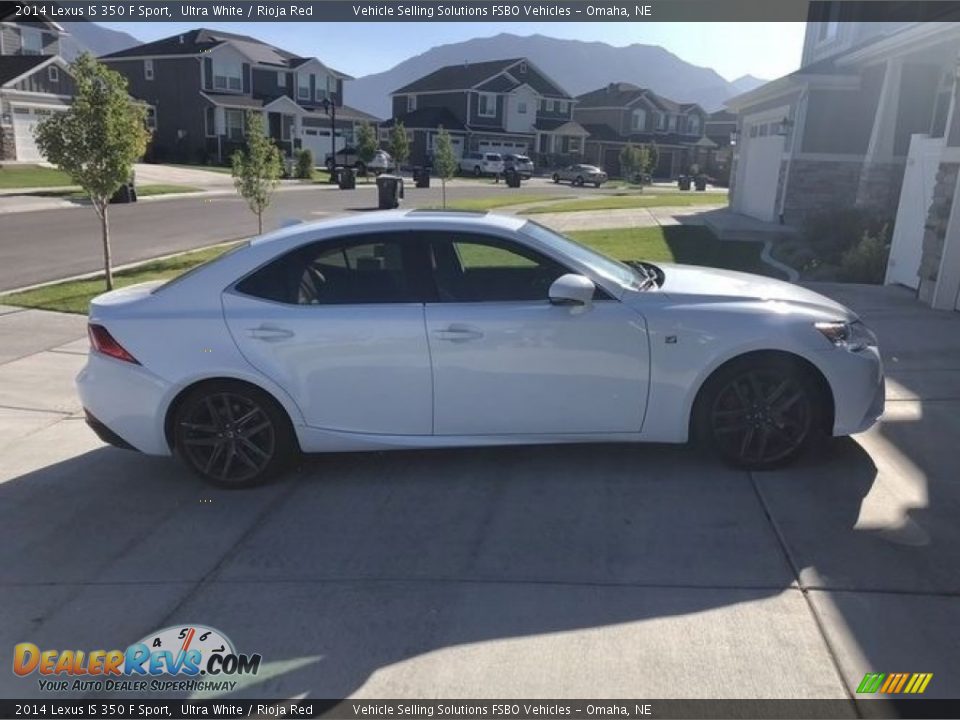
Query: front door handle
x=458, y=333
x=270, y=333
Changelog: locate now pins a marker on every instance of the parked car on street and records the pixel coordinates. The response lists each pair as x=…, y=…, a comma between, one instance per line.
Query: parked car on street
x=578, y=175
x=479, y=164
x=349, y=157
x=521, y=163
x=421, y=329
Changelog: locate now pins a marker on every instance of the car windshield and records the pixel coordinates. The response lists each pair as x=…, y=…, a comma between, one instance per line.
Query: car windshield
x=603, y=265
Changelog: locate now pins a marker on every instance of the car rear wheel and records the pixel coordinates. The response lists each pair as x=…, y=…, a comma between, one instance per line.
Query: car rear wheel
x=578, y=181
x=760, y=413
x=596, y=184
x=556, y=178
x=477, y=172
x=233, y=435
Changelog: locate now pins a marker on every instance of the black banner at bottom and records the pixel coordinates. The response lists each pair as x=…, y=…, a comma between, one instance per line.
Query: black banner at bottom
x=457, y=709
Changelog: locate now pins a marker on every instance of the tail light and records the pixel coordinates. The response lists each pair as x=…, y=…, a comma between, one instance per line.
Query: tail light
x=103, y=342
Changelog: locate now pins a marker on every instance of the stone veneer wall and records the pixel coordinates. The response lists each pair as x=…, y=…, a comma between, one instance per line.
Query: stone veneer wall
x=879, y=187
x=818, y=185
x=935, y=229
x=7, y=148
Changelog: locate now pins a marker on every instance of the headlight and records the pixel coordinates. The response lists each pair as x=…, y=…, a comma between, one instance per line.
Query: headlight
x=851, y=336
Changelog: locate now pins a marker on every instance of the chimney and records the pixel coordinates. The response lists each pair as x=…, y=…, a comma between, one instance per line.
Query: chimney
x=611, y=88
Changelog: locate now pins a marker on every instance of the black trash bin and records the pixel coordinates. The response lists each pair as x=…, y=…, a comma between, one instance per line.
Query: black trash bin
x=347, y=178
x=513, y=178
x=683, y=182
x=421, y=177
x=700, y=182
x=389, y=191
x=126, y=193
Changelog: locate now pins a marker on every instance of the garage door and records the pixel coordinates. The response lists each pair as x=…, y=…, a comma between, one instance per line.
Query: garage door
x=761, y=173
x=511, y=148
x=317, y=140
x=25, y=121
x=455, y=142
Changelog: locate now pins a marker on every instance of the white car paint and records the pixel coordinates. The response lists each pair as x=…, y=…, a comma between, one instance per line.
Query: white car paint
x=626, y=367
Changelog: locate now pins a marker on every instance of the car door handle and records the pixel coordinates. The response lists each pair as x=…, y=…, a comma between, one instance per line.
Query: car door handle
x=269, y=333
x=458, y=333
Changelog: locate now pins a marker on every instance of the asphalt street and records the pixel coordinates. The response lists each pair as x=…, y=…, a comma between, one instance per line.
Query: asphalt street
x=592, y=571
x=45, y=245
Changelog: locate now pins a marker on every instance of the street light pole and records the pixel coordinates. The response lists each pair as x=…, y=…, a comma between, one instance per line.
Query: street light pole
x=330, y=107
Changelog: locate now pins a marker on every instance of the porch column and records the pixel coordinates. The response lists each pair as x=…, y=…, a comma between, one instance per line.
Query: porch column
x=880, y=177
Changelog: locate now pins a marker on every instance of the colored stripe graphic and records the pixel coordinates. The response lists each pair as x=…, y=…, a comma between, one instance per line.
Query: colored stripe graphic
x=894, y=683
x=871, y=682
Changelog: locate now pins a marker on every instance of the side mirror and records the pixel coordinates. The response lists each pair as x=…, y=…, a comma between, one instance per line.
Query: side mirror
x=572, y=289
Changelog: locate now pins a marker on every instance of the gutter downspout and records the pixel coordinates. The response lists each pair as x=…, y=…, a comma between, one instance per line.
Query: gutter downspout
x=798, y=127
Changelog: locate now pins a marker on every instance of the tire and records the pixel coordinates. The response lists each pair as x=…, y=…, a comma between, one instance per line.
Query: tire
x=233, y=435
x=760, y=413
x=578, y=181
x=330, y=165
x=477, y=172
x=360, y=167
x=597, y=185
x=556, y=179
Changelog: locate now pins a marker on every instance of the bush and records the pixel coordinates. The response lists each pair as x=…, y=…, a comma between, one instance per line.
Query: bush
x=304, y=167
x=866, y=262
x=831, y=234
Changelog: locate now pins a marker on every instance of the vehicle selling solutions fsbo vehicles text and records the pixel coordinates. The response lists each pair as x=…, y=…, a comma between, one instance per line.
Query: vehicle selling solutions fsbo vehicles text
x=431, y=11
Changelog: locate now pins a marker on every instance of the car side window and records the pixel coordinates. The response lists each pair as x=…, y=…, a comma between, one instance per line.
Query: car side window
x=365, y=270
x=478, y=268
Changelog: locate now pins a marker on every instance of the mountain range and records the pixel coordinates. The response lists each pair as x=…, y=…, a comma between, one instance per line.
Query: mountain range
x=576, y=65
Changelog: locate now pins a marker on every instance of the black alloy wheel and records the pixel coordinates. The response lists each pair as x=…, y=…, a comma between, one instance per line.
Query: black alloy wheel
x=761, y=416
x=232, y=435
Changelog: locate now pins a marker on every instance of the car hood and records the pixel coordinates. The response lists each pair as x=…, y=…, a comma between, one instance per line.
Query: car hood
x=706, y=285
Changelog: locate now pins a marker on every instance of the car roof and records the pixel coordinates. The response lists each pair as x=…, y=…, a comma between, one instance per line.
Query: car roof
x=394, y=220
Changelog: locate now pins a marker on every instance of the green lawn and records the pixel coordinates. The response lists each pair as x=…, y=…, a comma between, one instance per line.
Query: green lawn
x=687, y=244
x=31, y=176
x=75, y=296
x=622, y=202
x=489, y=203
x=222, y=169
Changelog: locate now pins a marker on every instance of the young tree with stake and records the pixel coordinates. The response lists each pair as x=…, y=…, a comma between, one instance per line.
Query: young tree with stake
x=444, y=161
x=367, y=145
x=97, y=140
x=399, y=145
x=257, y=170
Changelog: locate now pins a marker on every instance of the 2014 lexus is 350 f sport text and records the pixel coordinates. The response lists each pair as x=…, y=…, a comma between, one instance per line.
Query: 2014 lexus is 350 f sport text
x=419, y=329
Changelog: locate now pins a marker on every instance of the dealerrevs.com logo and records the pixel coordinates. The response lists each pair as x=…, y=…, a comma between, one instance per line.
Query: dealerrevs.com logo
x=188, y=652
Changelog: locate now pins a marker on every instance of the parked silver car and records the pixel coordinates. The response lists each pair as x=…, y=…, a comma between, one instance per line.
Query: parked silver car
x=381, y=161
x=521, y=163
x=578, y=175
x=485, y=163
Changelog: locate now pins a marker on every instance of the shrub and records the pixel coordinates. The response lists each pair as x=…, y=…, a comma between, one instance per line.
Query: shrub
x=866, y=262
x=304, y=167
x=832, y=233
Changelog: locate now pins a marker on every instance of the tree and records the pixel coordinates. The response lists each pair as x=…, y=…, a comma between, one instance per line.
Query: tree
x=444, y=160
x=97, y=140
x=399, y=144
x=629, y=162
x=654, y=157
x=367, y=144
x=257, y=170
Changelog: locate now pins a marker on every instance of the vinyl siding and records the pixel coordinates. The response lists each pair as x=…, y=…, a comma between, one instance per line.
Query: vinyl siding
x=39, y=82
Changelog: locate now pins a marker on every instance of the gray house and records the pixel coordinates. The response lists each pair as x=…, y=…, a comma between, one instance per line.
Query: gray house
x=198, y=85
x=504, y=106
x=870, y=120
x=34, y=82
x=622, y=113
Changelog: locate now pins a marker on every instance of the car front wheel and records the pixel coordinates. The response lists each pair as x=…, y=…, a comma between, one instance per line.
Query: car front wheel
x=578, y=182
x=477, y=172
x=233, y=435
x=556, y=178
x=760, y=413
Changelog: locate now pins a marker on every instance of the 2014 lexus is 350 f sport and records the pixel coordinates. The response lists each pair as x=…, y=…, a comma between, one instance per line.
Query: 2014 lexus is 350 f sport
x=418, y=329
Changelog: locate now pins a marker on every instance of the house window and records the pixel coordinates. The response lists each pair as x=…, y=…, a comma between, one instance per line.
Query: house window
x=228, y=82
x=151, y=119
x=522, y=107
x=53, y=74
x=148, y=69
x=574, y=145
x=661, y=121
x=31, y=41
x=672, y=123
x=552, y=105
x=323, y=92
x=693, y=125
x=303, y=87
x=487, y=106
x=281, y=79
x=563, y=107
x=211, y=122
x=523, y=67
x=286, y=131
x=638, y=119
x=234, y=124
x=829, y=25
x=411, y=103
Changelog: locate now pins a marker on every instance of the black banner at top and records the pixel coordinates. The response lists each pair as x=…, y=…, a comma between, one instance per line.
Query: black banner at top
x=537, y=11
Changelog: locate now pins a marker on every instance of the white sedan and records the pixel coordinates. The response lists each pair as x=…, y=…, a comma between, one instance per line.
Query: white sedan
x=420, y=329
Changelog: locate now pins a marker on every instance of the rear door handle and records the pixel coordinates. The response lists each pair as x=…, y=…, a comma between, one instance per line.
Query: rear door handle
x=270, y=333
x=458, y=333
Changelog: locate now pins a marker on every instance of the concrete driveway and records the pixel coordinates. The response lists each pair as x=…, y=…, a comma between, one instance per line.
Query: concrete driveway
x=591, y=571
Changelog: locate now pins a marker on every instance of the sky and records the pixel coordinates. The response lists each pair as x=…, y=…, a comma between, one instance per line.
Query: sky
x=765, y=50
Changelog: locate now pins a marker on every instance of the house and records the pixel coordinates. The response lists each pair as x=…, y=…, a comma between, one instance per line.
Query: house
x=505, y=106
x=721, y=129
x=198, y=85
x=868, y=121
x=34, y=82
x=622, y=113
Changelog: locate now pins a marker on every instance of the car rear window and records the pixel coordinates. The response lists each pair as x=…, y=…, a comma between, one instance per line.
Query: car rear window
x=197, y=268
x=492, y=156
